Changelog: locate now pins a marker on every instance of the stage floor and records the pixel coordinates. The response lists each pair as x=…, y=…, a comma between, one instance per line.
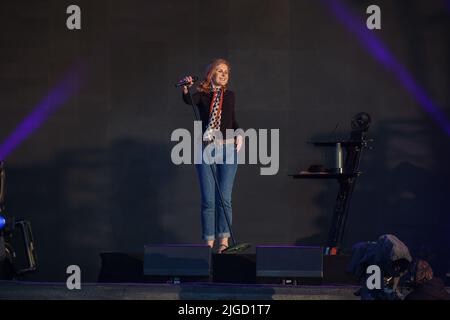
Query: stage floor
x=17, y=290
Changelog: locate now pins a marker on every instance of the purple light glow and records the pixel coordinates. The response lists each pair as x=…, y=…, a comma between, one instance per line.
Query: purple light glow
x=447, y=5
x=381, y=53
x=55, y=99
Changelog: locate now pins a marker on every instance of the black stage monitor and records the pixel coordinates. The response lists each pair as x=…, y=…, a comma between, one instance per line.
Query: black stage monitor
x=177, y=260
x=289, y=262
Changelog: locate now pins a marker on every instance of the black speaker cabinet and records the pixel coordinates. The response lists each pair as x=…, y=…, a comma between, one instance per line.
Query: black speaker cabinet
x=177, y=260
x=289, y=262
x=234, y=268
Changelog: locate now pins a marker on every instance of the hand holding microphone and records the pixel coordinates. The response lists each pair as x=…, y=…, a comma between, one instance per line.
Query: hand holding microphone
x=186, y=82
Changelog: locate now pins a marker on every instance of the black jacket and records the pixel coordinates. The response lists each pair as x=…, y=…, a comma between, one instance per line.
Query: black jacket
x=203, y=102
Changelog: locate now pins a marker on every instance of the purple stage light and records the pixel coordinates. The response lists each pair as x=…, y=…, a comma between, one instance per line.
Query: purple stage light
x=2, y=222
x=55, y=99
x=381, y=53
x=447, y=5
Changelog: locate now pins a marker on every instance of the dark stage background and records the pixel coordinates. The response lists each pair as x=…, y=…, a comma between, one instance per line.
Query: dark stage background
x=96, y=175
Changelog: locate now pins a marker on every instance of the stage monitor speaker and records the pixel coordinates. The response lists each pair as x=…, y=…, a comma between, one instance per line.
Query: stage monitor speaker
x=177, y=260
x=289, y=262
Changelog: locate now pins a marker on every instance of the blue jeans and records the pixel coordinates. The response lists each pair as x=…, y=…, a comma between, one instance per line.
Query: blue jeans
x=214, y=224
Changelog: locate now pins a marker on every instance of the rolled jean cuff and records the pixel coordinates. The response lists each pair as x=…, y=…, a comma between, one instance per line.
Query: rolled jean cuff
x=223, y=235
x=209, y=238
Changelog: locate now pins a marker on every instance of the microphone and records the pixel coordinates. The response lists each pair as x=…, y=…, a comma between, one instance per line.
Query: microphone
x=185, y=83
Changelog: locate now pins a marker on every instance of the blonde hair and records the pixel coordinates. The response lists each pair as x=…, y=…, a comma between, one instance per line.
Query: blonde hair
x=423, y=272
x=205, y=85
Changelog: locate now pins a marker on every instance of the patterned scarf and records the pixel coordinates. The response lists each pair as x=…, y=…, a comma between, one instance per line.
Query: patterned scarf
x=215, y=115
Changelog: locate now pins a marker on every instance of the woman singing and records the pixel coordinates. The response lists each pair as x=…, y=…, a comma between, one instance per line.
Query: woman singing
x=215, y=104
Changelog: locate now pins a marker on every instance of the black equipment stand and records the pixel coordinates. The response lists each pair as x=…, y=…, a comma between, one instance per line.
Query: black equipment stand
x=235, y=247
x=346, y=173
x=8, y=267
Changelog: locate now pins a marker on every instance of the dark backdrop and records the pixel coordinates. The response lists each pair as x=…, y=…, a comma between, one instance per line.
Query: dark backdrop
x=96, y=175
